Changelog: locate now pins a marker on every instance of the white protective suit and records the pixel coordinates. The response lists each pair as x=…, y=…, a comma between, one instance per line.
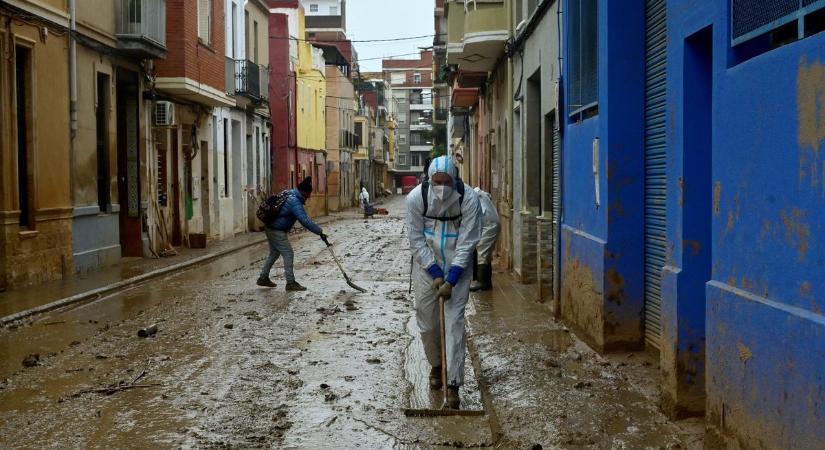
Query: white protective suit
x=365, y=197
x=446, y=244
x=491, y=225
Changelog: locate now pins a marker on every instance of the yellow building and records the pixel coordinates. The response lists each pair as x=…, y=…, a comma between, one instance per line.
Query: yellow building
x=35, y=200
x=311, y=97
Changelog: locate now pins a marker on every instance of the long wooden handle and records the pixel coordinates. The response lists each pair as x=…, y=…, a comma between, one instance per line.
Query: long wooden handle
x=443, y=348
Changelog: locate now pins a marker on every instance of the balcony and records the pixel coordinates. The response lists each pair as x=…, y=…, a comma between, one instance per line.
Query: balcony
x=141, y=27
x=248, y=79
x=476, y=37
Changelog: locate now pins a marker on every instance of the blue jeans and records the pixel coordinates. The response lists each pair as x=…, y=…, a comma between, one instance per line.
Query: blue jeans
x=279, y=246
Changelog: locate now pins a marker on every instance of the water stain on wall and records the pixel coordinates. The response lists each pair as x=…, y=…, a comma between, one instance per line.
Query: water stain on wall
x=810, y=99
x=797, y=231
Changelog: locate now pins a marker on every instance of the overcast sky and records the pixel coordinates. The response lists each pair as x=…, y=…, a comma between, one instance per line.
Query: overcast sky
x=388, y=19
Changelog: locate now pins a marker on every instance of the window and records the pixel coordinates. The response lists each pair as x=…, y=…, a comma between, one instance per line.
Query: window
x=402, y=138
x=102, y=125
x=234, y=30
x=25, y=176
x=582, y=54
x=333, y=10
x=519, y=13
x=205, y=21
x=402, y=159
x=402, y=118
x=225, y=191
x=416, y=159
x=398, y=78
x=417, y=78
x=359, y=132
x=313, y=7
x=247, y=30
x=255, y=47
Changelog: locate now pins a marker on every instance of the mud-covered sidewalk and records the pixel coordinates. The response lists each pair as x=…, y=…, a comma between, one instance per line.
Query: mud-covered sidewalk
x=237, y=366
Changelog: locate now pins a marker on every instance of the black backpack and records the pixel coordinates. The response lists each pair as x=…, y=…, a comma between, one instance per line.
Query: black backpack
x=425, y=189
x=270, y=209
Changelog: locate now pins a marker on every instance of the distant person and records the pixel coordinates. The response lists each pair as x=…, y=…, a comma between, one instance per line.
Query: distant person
x=365, y=202
x=277, y=233
x=490, y=227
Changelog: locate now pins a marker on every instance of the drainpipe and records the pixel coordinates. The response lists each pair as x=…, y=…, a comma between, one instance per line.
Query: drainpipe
x=72, y=92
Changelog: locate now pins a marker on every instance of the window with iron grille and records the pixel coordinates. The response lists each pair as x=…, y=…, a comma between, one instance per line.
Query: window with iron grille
x=583, y=58
x=753, y=18
x=313, y=7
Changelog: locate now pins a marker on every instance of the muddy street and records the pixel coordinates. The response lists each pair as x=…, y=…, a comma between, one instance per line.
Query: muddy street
x=233, y=365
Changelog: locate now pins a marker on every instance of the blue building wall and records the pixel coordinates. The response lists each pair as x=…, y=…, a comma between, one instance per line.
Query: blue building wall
x=744, y=331
x=765, y=330
x=602, y=258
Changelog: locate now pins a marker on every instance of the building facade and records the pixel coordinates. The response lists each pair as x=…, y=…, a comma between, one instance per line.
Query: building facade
x=36, y=203
x=411, y=107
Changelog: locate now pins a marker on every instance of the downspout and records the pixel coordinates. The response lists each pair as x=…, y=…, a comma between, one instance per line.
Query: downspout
x=561, y=117
x=72, y=93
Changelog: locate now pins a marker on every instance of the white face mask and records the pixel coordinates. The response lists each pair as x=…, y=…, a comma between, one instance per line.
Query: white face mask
x=442, y=192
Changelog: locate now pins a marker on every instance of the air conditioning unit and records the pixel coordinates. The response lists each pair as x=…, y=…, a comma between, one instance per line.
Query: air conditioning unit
x=164, y=114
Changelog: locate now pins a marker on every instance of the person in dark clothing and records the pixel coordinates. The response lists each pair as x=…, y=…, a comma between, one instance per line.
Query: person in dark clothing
x=277, y=233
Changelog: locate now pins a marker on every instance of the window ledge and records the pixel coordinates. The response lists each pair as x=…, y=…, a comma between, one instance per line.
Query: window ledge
x=28, y=234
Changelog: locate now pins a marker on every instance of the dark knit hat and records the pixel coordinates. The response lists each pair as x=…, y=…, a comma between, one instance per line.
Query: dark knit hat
x=306, y=185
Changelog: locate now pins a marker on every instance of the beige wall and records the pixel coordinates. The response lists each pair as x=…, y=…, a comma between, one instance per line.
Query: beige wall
x=256, y=14
x=89, y=64
x=44, y=253
x=96, y=18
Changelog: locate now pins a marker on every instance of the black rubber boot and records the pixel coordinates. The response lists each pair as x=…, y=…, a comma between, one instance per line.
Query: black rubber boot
x=293, y=286
x=435, y=378
x=487, y=277
x=453, y=400
x=265, y=282
x=482, y=283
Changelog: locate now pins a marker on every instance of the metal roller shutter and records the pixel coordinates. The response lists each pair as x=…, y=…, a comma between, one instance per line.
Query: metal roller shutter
x=655, y=165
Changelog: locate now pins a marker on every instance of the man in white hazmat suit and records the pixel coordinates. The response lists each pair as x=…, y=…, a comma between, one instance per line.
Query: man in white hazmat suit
x=490, y=227
x=444, y=226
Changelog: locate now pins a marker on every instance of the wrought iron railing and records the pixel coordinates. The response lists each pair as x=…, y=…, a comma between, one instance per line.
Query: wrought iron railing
x=247, y=78
x=142, y=19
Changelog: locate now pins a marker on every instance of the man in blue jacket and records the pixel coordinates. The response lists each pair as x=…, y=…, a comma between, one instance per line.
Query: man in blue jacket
x=277, y=233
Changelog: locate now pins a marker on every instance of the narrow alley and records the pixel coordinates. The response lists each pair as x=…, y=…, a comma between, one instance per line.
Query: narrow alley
x=233, y=365
x=621, y=203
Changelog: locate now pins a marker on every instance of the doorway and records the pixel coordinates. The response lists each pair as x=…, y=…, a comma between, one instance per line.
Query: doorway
x=697, y=213
x=128, y=163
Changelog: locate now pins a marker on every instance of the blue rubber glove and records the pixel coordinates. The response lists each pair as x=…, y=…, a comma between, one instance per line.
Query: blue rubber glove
x=454, y=274
x=435, y=271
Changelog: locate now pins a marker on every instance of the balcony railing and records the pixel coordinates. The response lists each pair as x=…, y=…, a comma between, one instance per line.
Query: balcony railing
x=248, y=79
x=141, y=27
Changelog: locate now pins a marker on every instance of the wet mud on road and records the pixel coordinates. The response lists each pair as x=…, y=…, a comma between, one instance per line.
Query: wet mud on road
x=237, y=366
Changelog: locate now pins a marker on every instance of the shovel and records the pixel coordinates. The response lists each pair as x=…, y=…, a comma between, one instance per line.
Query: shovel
x=335, y=258
x=445, y=409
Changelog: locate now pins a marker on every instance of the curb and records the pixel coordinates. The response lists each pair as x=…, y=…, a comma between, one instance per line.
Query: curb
x=120, y=285
x=96, y=293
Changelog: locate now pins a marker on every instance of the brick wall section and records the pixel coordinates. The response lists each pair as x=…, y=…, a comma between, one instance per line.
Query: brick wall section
x=186, y=56
x=529, y=248
x=544, y=275
x=281, y=89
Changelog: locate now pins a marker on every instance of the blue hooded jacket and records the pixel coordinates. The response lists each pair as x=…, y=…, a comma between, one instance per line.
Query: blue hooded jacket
x=293, y=210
